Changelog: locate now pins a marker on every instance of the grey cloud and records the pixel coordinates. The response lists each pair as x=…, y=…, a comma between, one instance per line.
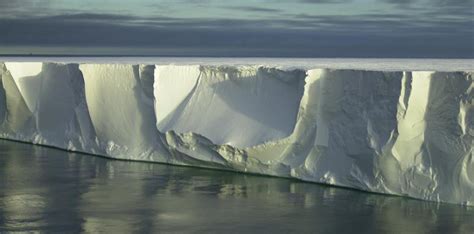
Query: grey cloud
x=324, y=1
x=455, y=2
x=309, y=1
x=92, y=16
x=6, y=4
x=429, y=32
x=314, y=36
x=439, y=4
x=112, y=18
x=9, y=3
x=15, y=8
x=253, y=9
x=402, y=2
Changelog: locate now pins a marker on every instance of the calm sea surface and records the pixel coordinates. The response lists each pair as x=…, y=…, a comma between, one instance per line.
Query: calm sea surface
x=49, y=190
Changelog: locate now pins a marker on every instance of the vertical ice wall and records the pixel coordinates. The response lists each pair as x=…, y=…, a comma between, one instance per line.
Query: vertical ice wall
x=431, y=153
x=215, y=101
x=121, y=112
x=46, y=104
x=345, y=117
x=400, y=133
x=405, y=133
x=17, y=116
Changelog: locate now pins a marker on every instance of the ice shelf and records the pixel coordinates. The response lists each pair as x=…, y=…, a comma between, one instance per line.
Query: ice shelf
x=401, y=132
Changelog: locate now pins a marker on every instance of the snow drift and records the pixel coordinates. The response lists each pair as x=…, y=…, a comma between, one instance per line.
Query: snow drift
x=395, y=132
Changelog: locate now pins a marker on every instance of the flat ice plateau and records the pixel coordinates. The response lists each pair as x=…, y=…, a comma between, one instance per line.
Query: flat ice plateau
x=402, y=127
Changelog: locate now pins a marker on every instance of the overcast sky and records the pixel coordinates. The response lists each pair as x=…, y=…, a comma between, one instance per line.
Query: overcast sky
x=298, y=28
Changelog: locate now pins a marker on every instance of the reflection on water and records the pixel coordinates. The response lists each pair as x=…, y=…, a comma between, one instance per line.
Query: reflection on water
x=51, y=190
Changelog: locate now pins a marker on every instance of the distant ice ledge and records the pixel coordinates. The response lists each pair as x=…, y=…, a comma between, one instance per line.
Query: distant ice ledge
x=379, y=64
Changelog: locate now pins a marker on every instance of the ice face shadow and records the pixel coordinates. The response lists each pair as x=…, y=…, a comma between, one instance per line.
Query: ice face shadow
x=46, y=189
x=270, y=97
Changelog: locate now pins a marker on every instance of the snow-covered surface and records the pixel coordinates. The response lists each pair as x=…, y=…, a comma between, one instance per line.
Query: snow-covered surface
x=379, y=64
x=400, y=132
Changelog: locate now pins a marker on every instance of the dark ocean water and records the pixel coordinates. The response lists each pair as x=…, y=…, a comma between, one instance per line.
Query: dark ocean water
x=49, y=190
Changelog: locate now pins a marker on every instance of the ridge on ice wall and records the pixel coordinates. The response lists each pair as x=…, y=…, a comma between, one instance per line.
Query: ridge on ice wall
x=395, y=132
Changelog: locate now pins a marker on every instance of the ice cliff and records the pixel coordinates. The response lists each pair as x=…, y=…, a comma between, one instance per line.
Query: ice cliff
x=395, y=132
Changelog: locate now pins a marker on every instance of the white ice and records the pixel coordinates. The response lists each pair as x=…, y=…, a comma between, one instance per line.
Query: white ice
x=385, y=127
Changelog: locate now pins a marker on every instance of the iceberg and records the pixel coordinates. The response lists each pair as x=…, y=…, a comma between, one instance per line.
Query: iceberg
x=392, y=131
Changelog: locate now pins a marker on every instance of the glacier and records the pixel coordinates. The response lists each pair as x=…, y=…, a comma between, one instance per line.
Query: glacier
x=391, y=131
